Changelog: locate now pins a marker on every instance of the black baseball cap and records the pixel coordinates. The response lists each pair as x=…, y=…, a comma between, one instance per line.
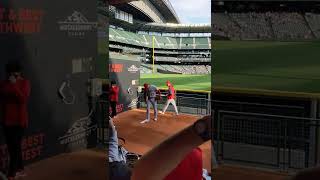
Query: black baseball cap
x=13, y=67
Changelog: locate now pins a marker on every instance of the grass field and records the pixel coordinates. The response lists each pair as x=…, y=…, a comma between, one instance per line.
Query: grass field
x=282, y=66
x=180, y=82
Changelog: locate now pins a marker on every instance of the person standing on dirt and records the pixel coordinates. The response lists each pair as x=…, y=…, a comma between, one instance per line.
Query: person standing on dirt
x=14, y=96
x=170, y=98
x=114, y=98
x=150, y=95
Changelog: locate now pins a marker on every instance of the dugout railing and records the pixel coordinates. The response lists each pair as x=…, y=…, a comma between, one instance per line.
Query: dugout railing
x=188, y=102
x=284, y=143
x=102, y=117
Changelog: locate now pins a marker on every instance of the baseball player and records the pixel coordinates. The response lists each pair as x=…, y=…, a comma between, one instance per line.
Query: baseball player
x=150, y=94
x=170, y=100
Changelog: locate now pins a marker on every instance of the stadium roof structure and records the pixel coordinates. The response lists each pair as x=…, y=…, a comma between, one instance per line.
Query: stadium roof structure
x=162, y=8
x=115, y=2
x=166, y=8
x=162, y=27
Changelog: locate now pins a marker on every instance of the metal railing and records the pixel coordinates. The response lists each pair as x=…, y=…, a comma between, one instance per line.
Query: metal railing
x=191, y=103
x=267, y=108
x=284, y=143
x=102, y=117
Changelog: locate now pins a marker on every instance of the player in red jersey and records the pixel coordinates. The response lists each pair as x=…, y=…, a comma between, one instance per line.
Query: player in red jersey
x=170, y=98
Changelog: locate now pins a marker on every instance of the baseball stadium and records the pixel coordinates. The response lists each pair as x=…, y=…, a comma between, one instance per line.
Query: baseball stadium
x=266, y=85
x=148, y=44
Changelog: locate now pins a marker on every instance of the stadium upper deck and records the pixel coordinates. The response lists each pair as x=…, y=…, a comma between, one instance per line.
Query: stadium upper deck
x=160, y=11
x=177, y=48
x=161, y=42
x=267, y=20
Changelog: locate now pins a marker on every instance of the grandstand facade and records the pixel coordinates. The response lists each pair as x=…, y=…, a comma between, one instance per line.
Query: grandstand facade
x=266, y=20
x=151, y=28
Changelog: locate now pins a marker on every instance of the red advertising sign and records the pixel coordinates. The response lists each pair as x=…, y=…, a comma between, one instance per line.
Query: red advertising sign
x=117, y=68
x=119, y=108
x=23, y=20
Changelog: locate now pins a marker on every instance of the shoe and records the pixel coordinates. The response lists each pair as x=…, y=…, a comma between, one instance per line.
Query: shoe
x=161, y=112
x=155, y=119
x=145, y=121
x=21, y=173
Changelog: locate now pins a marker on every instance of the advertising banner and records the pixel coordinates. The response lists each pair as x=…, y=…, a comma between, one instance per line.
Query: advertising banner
x=127, y=74
x=57, y=46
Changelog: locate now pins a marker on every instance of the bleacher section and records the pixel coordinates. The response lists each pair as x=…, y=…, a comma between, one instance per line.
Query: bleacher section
x=253, y=25
x=289, y=26
x=267, y=25
x=146, y=68
x=224, y=26
x=179, y=69
x=161, y=42
x=314, y=22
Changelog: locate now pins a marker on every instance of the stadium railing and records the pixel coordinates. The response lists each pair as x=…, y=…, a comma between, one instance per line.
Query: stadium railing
x=281, y=143
x=101, y=117
x=192, y=102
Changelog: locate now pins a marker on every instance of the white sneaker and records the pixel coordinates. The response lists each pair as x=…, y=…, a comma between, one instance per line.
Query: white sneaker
x=155, y=119
x=144, y=121
x=161, y=112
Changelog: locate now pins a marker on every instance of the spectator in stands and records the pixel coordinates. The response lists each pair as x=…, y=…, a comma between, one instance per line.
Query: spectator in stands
x=114, y=98
x=14, y=95
x=170, y=98
x=150, y=94
x=178, y=157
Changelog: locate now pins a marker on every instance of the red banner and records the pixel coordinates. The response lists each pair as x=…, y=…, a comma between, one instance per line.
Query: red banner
x=32, y=148
x=26, y=21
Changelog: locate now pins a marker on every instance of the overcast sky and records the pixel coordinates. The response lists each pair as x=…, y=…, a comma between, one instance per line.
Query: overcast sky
x=193, y=11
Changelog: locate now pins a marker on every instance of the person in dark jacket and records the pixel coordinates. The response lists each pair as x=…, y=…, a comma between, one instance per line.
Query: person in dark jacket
x=114, y=98
x=14, y=93
x=150, y=96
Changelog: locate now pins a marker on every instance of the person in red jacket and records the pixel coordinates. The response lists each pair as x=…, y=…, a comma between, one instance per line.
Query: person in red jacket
x=14, y=92
x=114, y=98
x=192, y=164
x=178, y=156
